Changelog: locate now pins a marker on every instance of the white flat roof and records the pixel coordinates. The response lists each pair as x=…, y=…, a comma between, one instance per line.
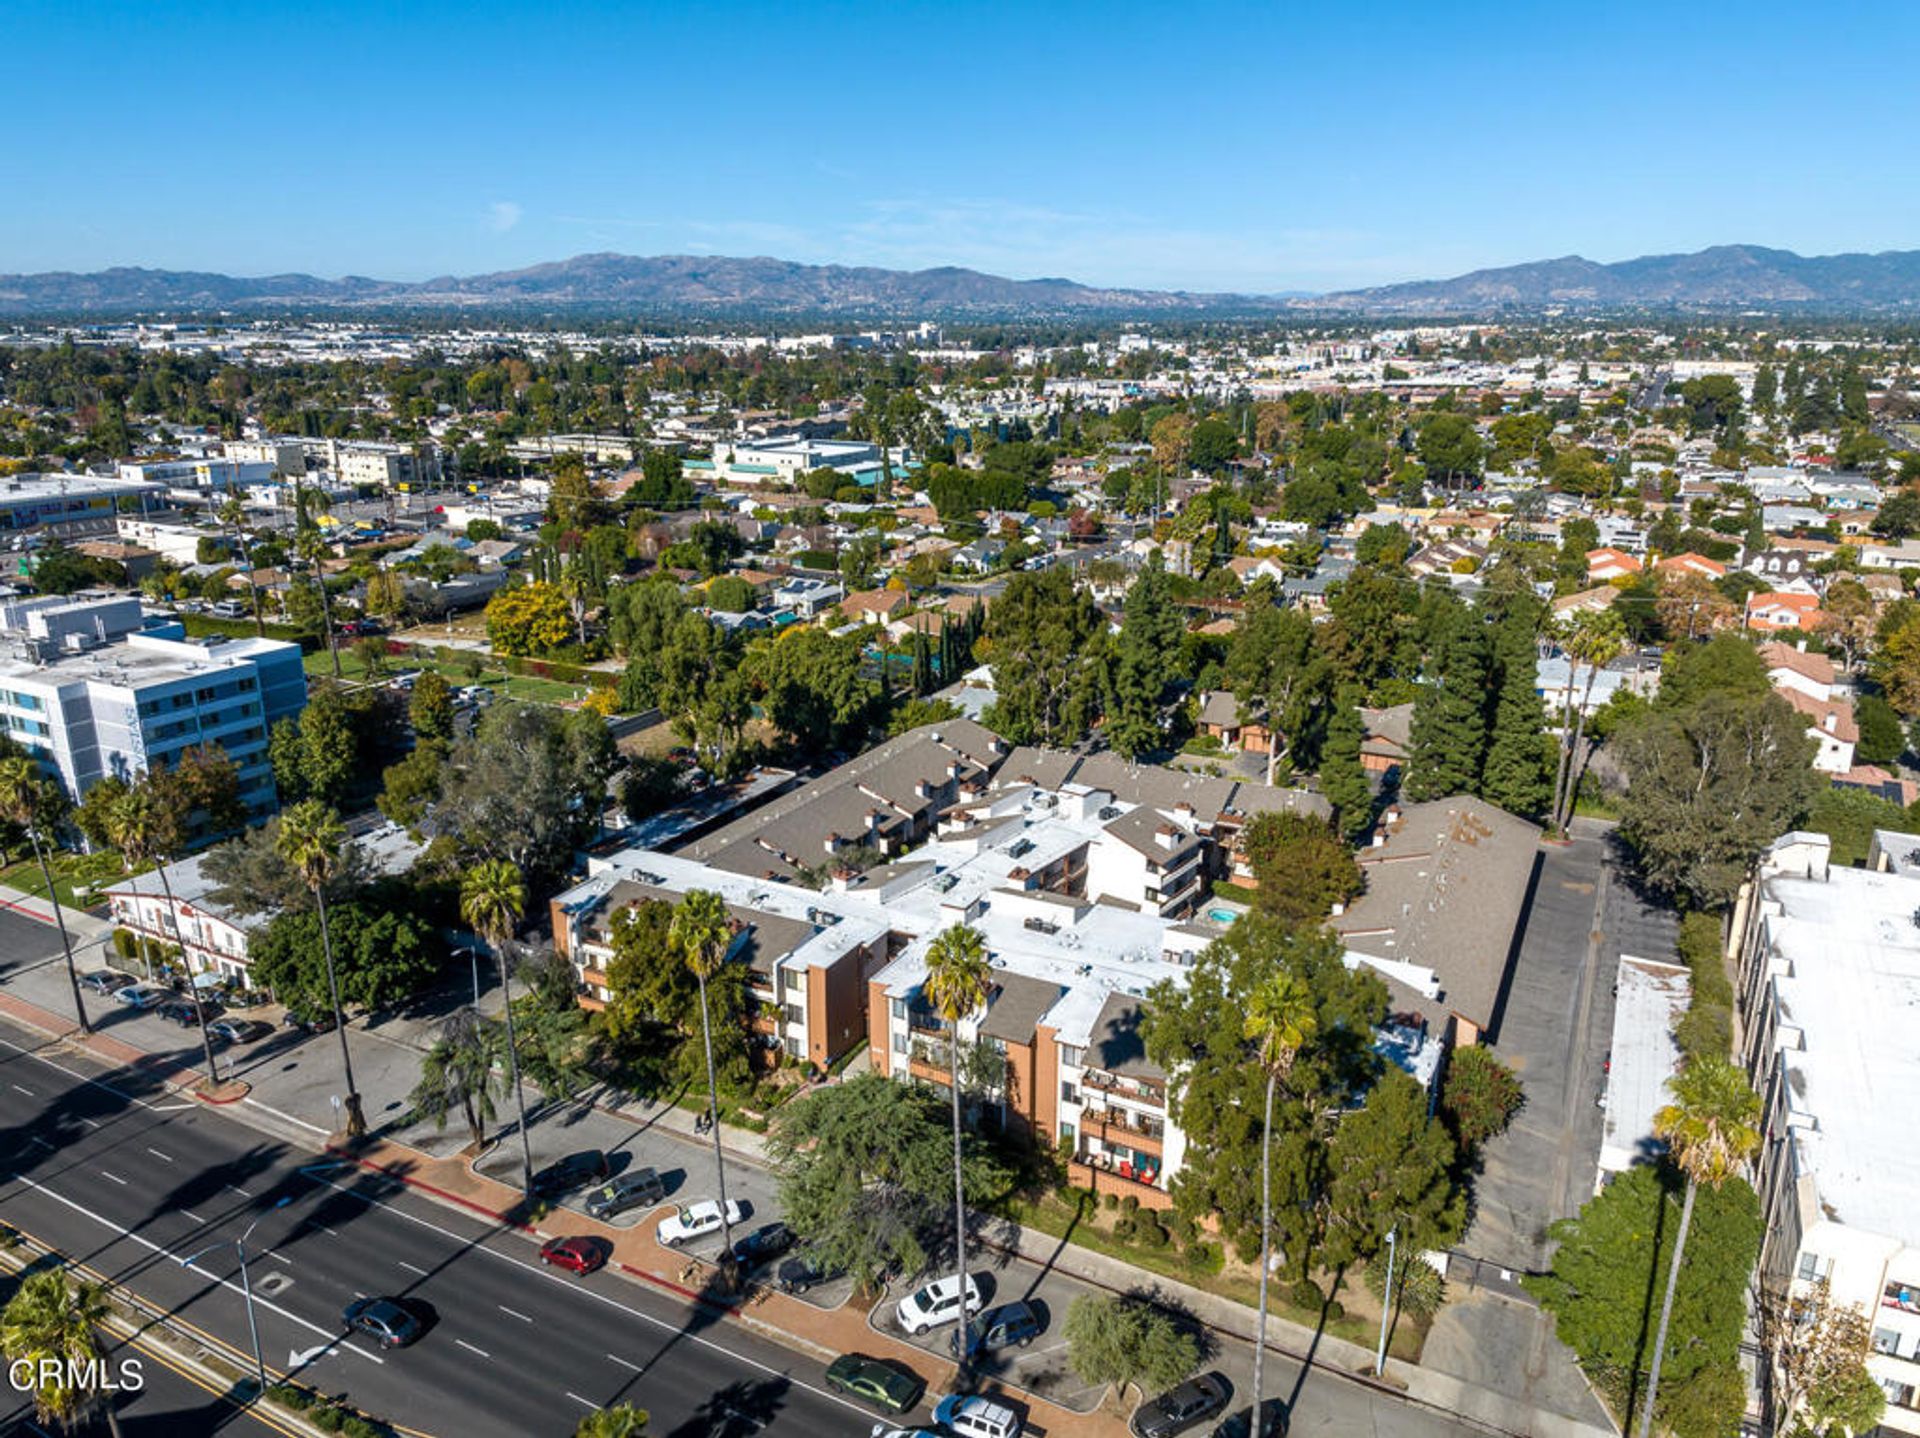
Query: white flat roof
x=1852, y=942
x=1649, y=999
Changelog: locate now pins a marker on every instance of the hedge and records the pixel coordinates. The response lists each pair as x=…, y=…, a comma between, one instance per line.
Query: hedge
x=207, y=626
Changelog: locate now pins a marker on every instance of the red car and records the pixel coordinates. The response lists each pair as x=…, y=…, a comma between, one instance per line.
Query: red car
x=582, y=1255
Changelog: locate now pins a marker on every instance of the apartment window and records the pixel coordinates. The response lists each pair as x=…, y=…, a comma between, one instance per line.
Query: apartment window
x=899, y=1009
x=1067, y=1136
x=1068, y=1093
x=900, y=1043
x=1070, y=1056
x=1886, y=1341
x=795, y=1014
x=1811, y=1265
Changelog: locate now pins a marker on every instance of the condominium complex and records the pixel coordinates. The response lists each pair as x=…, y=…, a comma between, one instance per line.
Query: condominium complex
x=89, y=694
x=1829, y=988
x=1088, y=881
x=389, y=466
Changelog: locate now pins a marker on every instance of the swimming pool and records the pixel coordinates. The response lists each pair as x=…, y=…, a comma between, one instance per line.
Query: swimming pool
x=1223, y=916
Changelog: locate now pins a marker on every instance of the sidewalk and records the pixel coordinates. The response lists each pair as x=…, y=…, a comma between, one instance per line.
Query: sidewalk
x=824, y=1334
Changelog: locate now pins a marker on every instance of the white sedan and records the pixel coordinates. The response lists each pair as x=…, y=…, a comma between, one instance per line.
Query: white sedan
x=142, y=996
x=696, y=1220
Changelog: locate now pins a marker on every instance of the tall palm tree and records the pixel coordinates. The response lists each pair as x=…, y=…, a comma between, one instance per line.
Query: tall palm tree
x=310, y=544
x=49, y=1318
x=1281, y=1020
x=703, y=933
x=234, y=515
x=1712, y=1131
x=1594, y=640
x=459, y=1072
x=145, y=831
x=31, y=800
x=958, y=981
x=492, y=899
x=310, y=838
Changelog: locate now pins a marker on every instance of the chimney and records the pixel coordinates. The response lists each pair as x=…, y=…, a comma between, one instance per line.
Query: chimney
x=1801, y=645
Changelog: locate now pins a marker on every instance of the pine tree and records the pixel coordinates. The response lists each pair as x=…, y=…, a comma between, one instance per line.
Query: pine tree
x=1515, y=776
x=1143, y=666
x=1449, y=734
x=1343, y=780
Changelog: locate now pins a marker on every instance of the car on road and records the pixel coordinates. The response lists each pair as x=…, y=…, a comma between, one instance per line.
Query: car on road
x=1187, y=1405
x=696, y=1220
x=383, y=1319
x=578, y=1255
x=763, y=1245
x=239, y=1031
x=804, y=1271
x=310, y=1021
x=1273, y=1422
x=106, y=981
x=641, y=1187
x=968, y=1415
x=576, y=1170
x=937, y=1303
x=188, y=1012
x=870, y=1380
x=1011, y=1325
x=142, y=996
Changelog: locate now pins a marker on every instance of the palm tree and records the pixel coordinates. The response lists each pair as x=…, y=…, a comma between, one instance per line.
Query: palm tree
x=145, y=831
x=621, y=1421
x=459, y=1072
x=492, y=899
x=1594, y=640
x=703, y=933
x=957, y=984
x=49, y=1318
x=28, y=798
x=234, y=515
x=310, y=839
x=310, y=544
x=1712, y=1130
x=1280, y=1021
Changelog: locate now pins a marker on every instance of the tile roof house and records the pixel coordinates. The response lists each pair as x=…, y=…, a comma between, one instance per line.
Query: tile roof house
x=1586, y=601
x=1448, y=885
x=873, y=606
x=1691, y=563
x=1607, y=563
x=1831, y=724
x=1776, y=611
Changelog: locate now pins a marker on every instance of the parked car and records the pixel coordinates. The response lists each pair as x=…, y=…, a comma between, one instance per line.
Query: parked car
x=579, y=1255
x=142, y=996
x=696, y=1220
x=1012, y=1325
x=106, y=981
x=802, y=1272
x=1185, y=1406
x=239, y=1031
x=1273, y=1422
x=937, y=1303
x=576, y=1170
x=881, y=1430
x=763, y=1245
x=310, y=1021
x=383, y=1319
x=640, y=1188
x=188, y=1012
x=969, y=1415
x=872, y=1381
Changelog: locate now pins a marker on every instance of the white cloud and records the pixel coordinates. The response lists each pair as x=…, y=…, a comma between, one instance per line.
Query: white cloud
x=503, y=215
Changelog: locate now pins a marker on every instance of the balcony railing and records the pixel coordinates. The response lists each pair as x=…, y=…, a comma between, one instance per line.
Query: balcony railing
x=1125, y=1087
x=1146, y=1175
x=1127, y=1124
x=1903, y=1296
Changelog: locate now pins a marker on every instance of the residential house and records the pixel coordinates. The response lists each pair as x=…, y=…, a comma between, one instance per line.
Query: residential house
x=1776, y=611
x=1386, y=738
x=1586, y=601
x=1221, y=718
x=1691, y=563
x=1606, y=564
x=873, y=606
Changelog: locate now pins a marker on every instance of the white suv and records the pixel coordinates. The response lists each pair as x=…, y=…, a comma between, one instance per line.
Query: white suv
x=976, y=1417
x=937, y=1303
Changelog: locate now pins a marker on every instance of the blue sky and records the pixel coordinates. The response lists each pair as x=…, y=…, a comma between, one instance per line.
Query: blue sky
x=1255, y=148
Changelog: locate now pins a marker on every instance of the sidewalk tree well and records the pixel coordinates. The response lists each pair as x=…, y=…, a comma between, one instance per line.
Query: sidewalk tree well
x=865, y=1170
x=1128, y=1342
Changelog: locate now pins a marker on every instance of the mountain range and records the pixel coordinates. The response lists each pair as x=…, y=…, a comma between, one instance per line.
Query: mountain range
x=1725, y=277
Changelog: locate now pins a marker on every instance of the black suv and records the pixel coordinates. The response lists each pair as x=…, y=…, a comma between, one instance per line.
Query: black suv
x=763, y=1245
x=1178, y=1409
x=574, y=1171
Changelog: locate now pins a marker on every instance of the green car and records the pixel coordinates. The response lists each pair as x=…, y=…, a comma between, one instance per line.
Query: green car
x=871, y=1381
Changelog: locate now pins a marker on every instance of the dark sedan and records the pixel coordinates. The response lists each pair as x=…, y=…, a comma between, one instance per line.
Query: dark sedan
x=1178, y=1409
x=384, y=1320
x=763, y=1245
x=576, y=1170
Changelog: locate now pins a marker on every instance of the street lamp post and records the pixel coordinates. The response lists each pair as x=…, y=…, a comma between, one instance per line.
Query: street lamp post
x=1386, y=1304
x=246, y=1289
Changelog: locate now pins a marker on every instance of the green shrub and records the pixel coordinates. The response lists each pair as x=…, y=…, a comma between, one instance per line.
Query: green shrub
x=1130, y=1204
x=1110, y=1201
x=126, y=943
x=1336, y=1311
x=291, y=1395
x=328, y=1419
x=1306, y=1294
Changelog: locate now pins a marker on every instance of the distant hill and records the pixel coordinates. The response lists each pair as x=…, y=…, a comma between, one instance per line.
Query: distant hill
x=629, y=283
x=1723, y=277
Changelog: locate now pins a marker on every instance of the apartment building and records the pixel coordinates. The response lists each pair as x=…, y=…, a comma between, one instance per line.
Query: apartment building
x=232, y=475
x=287, y=456
x=87, y=709
x=1828, y=986
x=388, y=466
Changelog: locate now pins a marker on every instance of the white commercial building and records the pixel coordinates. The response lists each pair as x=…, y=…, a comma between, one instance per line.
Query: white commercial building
x=287, y=456
x=197, y=474
x=86, y=709
x=1829, y=1009
x=390, y=466
x=27, y=500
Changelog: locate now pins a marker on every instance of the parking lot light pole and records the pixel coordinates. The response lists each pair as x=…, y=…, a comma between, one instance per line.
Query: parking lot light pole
x=1386, y=1304
x=246, y=1288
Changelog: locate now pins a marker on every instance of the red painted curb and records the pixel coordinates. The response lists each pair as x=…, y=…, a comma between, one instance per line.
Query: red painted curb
x=444, y=1194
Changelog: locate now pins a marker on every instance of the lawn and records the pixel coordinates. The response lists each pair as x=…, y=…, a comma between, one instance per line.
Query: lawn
x=70, y=871
x=1074, y=1217
x=524, y=688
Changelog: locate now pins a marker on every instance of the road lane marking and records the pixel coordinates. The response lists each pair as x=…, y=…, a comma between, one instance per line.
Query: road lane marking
x=413, y=1268
x=189, y=1213
x=471, y=1349
x=27, y=1091
x=584, y=1402
x=512, y=1313
x=235, y=1188
x=625, y=1363
x=84, y=1078
x=163, y=1157
x=165, y=1252
x=114, y=1176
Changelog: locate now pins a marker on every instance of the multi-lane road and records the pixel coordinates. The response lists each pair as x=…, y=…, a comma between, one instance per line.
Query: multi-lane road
x=133, y=1184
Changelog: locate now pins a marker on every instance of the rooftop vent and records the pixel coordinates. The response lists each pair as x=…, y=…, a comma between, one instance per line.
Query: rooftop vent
x=1109, y=812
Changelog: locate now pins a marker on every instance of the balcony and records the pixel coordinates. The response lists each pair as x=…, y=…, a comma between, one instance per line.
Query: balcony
x=1136, y=1089
x=1112, y=1125
x=1902, y=1296
x=1103, y=1175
